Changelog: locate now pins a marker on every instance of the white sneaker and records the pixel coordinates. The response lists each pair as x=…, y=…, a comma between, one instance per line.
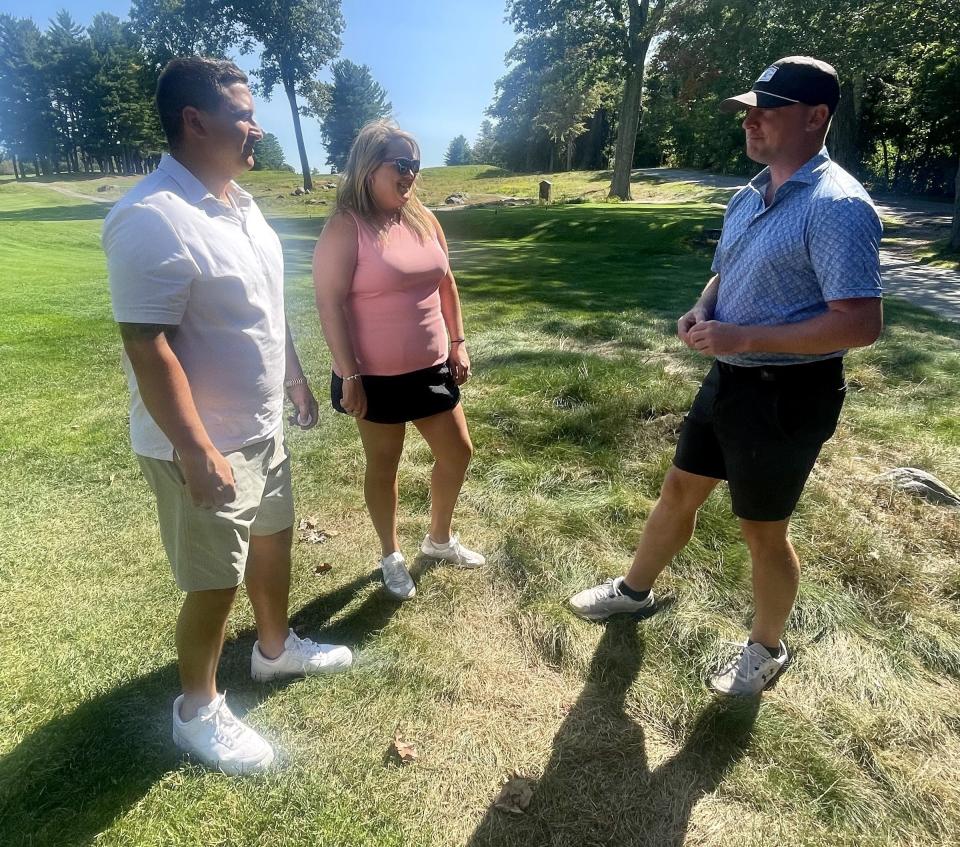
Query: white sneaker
x=453, y=552
x=602, y=601
x=221, y=740
x=396, y=577
x=749, y=672
x=300, y=657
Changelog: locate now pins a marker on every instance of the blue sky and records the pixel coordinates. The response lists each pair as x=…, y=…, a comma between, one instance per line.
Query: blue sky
x=437, y=59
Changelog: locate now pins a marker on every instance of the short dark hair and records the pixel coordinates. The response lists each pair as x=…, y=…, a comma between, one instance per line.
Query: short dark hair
x=192, y=81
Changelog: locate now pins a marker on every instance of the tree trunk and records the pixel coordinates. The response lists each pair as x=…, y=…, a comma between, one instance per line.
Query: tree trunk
x=627, y=126
x=570, y=153
x=16, y=167
x=304, y=164
x=955, y=231
x=886, y=166
x=842, y=140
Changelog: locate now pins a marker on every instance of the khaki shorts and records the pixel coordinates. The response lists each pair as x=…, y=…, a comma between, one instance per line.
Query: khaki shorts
x=207, y=548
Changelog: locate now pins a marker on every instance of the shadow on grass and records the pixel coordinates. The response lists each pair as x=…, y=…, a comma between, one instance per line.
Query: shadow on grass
x=68, y=780
x=898, y=312
x=79, y=212
x=598, y=787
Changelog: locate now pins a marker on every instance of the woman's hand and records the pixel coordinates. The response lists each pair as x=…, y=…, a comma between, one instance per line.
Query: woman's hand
x=354, y=398
x=459, y=363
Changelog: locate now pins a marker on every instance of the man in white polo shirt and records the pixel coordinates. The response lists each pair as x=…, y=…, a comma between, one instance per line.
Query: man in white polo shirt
x=196, y=278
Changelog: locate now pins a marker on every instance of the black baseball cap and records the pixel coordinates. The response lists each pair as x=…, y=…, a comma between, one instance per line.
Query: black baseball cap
x=793, y=79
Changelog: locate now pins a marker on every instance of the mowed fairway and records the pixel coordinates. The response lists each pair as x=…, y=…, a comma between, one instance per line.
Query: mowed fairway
x=579, y=389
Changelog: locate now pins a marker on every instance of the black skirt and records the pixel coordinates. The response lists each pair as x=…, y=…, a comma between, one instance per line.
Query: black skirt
x=404, y=397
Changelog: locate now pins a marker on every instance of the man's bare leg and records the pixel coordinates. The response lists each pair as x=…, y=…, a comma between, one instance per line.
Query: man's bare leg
x=267, y=579
x=776, y=577
x=670, y=525
x=201, y=627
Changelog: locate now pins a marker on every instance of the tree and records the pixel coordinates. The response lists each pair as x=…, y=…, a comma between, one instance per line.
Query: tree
x=938, y=104
x=268, y=154
x=484, y=146
x=169, y=28
x=297, y=38
x=458, y=153
x=568, y=101
x=614, y=30
x=355, y=100
x=26, y=115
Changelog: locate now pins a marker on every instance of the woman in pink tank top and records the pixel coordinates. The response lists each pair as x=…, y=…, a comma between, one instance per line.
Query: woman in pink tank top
x=391, y=316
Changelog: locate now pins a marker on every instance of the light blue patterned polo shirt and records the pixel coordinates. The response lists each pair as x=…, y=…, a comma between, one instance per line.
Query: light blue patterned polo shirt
x=819, y=240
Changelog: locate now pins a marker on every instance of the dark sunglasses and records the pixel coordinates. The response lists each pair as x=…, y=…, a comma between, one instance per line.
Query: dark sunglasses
x=404, y=166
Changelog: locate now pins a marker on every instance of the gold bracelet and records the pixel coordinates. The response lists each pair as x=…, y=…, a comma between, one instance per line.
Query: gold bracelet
x=294, y=380
x=349, y=378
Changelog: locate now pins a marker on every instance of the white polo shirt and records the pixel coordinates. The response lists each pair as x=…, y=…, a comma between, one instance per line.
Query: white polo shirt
x=178, y=256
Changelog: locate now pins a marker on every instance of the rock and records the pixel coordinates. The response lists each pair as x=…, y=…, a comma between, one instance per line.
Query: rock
x=299, y=191
x=103, y=188
x=455, y=199
x=329, y=185
x=920, y=484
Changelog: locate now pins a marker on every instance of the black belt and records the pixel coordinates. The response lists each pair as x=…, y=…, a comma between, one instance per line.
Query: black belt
x=803, y=372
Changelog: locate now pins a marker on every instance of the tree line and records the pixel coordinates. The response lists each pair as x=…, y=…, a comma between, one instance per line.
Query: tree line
x=76, y=100
x=80, y=99
x=597, y=84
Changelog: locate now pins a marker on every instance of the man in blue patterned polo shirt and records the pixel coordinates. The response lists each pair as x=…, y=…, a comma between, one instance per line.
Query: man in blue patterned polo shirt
x=796, y=283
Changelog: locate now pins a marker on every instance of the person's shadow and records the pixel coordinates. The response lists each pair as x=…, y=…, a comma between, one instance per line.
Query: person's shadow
x=598, y=788
x=68, y=780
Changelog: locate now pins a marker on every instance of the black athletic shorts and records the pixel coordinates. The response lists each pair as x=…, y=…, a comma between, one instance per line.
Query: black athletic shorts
x=404, y=397
x=761, y=429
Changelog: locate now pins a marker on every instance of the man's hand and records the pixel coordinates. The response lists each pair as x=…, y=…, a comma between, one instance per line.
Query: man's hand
x=209, y=478
x=687, y=322
x=714, y=338
x=305, y=409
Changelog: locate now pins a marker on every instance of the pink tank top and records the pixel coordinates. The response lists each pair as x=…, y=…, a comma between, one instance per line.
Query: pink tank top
x=393, y=309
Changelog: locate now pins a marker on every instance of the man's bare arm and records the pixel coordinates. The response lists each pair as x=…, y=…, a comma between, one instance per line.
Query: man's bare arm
x=166, y=394
x=856, y=322
x=702, y=310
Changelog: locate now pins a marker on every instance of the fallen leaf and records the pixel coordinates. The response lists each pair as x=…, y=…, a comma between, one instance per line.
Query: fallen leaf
x=331, y=533
x=515, y=795
x=308, y=523
x=406, y=751
x=322, y=568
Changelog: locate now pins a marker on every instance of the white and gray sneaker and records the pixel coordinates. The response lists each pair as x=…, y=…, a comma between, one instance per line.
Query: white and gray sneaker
x=750, y=671
x=396, y=577
x=221, y=740
x=300, y=657
x=602, y=601
x=453, y=552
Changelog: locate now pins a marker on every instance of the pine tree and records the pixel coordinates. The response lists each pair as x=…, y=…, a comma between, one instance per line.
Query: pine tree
x=483, y=148
x=458, y=153
x=355, y=100
x=268, y=154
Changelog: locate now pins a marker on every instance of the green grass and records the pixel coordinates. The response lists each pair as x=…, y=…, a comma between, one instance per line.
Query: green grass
x=579, y=390
x=940, y=255
x=479, y=183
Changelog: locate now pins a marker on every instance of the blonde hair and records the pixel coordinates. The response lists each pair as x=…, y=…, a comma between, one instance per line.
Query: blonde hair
x=366, y=155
